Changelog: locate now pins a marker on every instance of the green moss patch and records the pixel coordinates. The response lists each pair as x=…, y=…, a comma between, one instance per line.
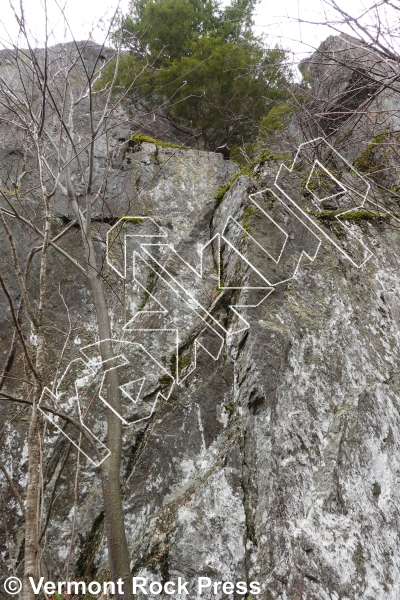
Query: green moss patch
x=132, y=219
x=251, y=210
x=138, y=139
x=395, y=190
x=227, y=186
x=367, y=161
x=352, y=215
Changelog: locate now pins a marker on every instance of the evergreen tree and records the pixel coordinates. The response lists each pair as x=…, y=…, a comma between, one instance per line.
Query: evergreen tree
x=205, y=62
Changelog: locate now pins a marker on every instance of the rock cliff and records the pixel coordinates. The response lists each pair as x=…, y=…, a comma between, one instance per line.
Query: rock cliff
x=274, y=456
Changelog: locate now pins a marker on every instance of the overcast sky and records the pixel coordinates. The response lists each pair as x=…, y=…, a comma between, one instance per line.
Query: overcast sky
x=278, y=19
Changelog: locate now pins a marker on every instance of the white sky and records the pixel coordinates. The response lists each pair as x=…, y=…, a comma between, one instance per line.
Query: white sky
x=278, y=19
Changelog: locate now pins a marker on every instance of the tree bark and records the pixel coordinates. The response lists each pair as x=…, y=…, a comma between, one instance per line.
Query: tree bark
x=31, y=506
x=110, y=469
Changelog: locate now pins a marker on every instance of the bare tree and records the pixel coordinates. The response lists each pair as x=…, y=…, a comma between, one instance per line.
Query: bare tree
x=376, y=23
x=51, y=109
x=350, y=93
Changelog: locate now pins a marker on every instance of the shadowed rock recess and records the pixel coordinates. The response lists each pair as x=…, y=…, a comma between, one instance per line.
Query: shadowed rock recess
x=276, y=462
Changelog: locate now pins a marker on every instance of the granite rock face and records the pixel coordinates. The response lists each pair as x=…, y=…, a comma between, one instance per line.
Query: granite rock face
x=354, y=91
x=275, y=457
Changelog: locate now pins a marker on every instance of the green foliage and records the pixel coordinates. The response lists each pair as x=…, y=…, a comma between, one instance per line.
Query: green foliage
x=131, y=219
x=185, y=357
x=204, y=63
x=165, y=380
x=165, y=29
x=229, y=407
x=227, y=186
x=250, y=210
x=366, y=162
x=266, y=155
x=136, y=140
x=352, y=215
x=248, y=170
x=395, y=190
x=322, y=182
x=275, y=120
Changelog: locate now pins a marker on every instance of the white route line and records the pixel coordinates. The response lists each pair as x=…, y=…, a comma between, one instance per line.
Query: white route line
x=148, y=258
x=93, y=368
x=303, y=253
x=309, y=218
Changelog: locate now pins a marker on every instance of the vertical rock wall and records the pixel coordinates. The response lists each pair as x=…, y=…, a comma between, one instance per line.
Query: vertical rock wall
x=277, y=460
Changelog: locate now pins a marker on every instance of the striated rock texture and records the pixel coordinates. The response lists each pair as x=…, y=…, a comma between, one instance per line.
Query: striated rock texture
x=278, y=461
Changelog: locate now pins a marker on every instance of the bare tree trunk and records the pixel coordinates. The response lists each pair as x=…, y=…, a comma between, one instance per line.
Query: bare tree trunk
x=32, y=522
x=31, y=505
x=49, y=117
x=110, y=470
x=116, y=537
